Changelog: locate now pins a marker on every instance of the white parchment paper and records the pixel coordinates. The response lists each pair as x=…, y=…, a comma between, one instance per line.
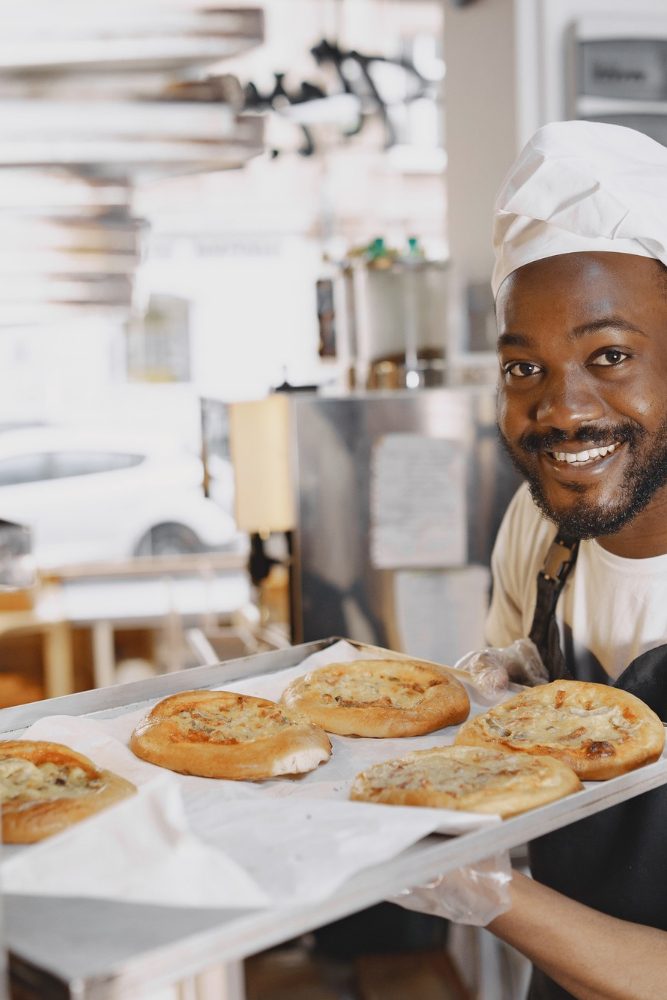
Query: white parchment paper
x=185, y=840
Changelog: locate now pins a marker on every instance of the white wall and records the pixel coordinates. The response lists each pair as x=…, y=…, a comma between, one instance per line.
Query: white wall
x=480, y=126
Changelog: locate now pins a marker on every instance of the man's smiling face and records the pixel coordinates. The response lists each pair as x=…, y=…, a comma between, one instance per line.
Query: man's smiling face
x=582, y=403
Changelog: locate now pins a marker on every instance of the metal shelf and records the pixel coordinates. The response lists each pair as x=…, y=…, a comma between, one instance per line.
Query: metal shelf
x=95, y=100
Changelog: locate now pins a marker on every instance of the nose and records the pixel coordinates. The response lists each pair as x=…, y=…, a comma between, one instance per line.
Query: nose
x=568, y=400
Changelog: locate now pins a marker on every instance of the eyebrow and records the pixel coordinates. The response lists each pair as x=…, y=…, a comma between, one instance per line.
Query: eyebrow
x=585, y=329
x=602, y=324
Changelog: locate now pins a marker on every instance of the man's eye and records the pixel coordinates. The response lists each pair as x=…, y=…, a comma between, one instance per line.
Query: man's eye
x=521, y=369
x=609, y=358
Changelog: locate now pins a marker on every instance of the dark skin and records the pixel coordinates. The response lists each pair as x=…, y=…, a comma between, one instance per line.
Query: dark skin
x=583, y=355
x=583, y=351
x=591, y=955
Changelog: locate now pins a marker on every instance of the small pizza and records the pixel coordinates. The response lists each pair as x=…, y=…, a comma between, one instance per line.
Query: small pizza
x=221, y=734
x=474, y=779
x=379, y=698
x=600, y=731
x=46, y=787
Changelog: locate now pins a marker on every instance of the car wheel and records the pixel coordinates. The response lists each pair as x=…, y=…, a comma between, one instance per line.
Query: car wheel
x=169, y=540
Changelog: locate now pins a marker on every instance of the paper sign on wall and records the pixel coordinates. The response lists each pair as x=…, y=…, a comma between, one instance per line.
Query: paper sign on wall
x=417, y=502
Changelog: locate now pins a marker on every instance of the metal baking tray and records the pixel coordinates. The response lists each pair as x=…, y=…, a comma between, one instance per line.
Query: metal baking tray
x=76, y=949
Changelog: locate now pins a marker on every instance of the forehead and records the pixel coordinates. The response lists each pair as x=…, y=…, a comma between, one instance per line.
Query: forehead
x=567, y=291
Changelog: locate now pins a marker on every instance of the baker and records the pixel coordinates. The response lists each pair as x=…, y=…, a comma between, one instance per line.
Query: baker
x=580, y=563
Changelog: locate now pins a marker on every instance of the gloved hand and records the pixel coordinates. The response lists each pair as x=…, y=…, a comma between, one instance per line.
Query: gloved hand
x=492, y=669
x=473, y=895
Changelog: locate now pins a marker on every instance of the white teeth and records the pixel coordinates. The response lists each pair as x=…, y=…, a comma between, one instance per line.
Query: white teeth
x=583, y=456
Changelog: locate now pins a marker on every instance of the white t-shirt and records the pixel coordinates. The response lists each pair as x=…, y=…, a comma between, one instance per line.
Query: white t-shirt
x=610, y=611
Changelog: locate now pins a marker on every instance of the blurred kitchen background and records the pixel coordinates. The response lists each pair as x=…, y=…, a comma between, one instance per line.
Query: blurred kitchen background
x=247, y=375
x=246, y=332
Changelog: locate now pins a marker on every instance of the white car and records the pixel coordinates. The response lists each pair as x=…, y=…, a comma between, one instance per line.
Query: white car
x=95, y=495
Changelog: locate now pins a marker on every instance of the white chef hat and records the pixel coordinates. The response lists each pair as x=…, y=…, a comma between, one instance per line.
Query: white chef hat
x=580, y=186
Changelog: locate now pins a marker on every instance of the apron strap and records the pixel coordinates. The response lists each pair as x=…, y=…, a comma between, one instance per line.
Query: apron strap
x=558, y=565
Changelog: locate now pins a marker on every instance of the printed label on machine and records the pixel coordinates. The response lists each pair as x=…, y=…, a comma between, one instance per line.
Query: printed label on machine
x=417, y=502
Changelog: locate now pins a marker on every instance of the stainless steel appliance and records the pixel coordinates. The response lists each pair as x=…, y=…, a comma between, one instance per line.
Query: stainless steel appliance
x=620, y=70
x=392, y=314
x=399, y=496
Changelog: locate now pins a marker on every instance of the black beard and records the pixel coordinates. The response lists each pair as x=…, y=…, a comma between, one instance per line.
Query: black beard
x=643, y=477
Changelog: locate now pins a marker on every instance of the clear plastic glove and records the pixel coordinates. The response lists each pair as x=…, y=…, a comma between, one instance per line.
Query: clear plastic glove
x=473, y=895
x=492, y=669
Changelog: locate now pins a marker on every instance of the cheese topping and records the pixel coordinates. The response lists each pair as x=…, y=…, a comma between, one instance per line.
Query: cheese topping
x=566, y=722
x=234, y=721
x=373, y=686
x=20, y=778
x=450, y=775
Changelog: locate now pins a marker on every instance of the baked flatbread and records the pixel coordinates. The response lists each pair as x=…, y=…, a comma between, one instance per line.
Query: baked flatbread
x=45, y=787
x=474, y=779
x=599, y=731
x=220, y=734
x=379, y=698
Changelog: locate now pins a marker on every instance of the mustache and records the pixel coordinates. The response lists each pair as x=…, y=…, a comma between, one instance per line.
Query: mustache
x=626, y=433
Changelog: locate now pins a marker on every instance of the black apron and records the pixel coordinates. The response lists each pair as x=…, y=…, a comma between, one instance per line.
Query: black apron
x=616, y=860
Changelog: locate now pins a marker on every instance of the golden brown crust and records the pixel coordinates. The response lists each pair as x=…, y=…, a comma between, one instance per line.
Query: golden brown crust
x=599, y=731
x=221, y=734
x=474, y=779
x=379, y=698
x=33, y=809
